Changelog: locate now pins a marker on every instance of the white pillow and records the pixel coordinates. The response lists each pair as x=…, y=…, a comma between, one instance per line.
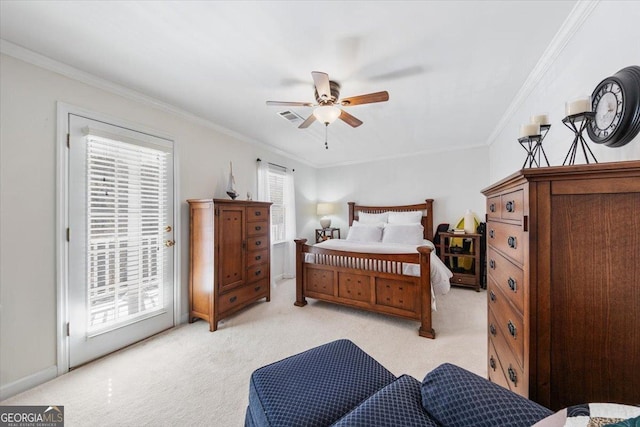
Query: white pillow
x=411, y=217
x=365, y=233
x=408, y=234
x=371, y=218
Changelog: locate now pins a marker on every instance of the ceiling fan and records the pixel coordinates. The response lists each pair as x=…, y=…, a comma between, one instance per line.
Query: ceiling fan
x=327, y=94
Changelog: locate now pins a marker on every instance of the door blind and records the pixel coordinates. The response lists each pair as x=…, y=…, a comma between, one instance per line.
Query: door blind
x=126, y=189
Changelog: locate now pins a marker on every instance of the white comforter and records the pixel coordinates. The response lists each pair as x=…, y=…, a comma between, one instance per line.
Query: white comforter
x=440, y=274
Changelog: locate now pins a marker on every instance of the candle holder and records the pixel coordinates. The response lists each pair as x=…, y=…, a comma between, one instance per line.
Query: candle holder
x=533, y=146
x=578, y=123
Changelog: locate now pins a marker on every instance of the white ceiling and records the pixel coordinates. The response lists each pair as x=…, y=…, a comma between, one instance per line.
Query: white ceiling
x=452, y=68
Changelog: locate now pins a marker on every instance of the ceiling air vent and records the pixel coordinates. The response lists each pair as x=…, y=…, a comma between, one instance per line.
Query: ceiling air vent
x=291, y=116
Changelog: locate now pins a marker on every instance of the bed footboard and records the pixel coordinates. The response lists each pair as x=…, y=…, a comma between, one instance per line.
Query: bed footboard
x=373, y=282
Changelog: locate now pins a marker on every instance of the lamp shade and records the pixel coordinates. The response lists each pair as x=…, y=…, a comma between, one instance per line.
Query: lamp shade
x=324, y=209
x=326, y=113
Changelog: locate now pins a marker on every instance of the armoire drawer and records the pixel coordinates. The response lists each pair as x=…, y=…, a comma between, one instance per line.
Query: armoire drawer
x=507, y=321
x=507, y=238
x=507, y=276
x=257, y=228
x=257, y=243
x=257, y=257
x=514, y=374
x=257, y=272
x=257, y=213
x=236, y=298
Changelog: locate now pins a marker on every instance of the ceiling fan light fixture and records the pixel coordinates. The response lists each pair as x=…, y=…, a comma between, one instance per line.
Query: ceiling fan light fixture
x=326, y=114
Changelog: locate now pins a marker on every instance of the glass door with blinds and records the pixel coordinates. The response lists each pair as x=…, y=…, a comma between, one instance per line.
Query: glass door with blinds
x=121, y=281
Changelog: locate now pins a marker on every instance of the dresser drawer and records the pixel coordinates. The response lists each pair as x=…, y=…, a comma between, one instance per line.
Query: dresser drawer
x=508, y=321
x=235, y=299
x=257, y=228
x=493, y=207
x=507, y=276
x=257, y=214
x=354, y=287
x=463, y=279
x=257, y=272
x=514, y=374
x=512, y=205
x=257, y=257
x=496, y=373
x=258, y=242
x=507, y=238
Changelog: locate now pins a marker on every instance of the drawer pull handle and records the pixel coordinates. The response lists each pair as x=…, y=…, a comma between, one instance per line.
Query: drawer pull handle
x=492, y=233
x=512, y=284
x=233, y=299
x=492, y=329
x=258, y=213
x=513, y=376
x=512, y=329
x=258, y=257
x=492, y=363
x=257, y=288
x=510, y=206
x=258, y=242
x=492, y=207
x=492, y=296
x=492, y=264
x=511, y=241
x=259, y=272
x=258, y=227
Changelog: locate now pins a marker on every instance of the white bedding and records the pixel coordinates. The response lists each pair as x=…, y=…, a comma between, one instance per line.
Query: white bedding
x=440, y=274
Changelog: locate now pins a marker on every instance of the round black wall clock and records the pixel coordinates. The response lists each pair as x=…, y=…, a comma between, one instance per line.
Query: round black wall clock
x=616, y=102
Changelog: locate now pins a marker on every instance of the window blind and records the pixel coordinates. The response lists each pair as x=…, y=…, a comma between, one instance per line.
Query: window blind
x=277, y=197
x=126, y=191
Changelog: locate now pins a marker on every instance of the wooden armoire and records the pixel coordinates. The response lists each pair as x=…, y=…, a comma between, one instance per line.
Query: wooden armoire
x=563, y=263
x=229, y=257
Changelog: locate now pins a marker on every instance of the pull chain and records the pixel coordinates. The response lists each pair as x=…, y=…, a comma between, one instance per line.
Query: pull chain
x=326, y=132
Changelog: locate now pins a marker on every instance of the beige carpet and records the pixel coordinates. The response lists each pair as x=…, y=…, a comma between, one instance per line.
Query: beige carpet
x=189, y=376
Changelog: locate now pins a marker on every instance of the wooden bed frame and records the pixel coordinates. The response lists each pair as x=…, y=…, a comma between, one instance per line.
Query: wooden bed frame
x=368, y=281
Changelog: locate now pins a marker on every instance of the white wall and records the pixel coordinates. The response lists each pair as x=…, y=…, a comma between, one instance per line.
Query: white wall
x=28, y=200
x=608, y=41
x=453, y=179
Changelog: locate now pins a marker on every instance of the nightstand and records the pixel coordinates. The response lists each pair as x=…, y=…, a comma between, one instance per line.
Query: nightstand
x=461, y=254
x=323, y=234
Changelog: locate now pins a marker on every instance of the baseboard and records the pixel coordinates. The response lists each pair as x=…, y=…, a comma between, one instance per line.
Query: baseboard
x=26, y=383
x=184, y=318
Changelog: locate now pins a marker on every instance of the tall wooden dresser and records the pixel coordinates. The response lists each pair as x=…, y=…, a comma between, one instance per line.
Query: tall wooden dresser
x=229, y=257
x=563, y=254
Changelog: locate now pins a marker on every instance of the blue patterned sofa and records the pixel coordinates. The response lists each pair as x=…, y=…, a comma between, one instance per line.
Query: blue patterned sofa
x=338, y=384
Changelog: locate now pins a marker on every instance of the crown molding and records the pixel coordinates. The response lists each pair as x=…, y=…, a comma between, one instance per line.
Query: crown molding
x=31, y=57
x=570, y=26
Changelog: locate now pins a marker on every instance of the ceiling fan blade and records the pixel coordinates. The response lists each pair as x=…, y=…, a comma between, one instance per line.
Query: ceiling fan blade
x=321, y=81
x=349, y=119
x=294, y=104
x=366, y=99
x=307, y=122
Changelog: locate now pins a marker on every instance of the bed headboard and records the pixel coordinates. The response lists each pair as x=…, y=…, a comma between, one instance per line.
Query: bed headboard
x=427, y=217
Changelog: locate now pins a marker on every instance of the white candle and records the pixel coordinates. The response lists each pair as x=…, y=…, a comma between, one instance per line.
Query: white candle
x=529, y=130
x=578, y=106
x=541, y=119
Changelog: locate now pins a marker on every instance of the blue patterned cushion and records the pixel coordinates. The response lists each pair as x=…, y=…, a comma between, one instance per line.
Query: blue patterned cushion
x=456, y=397
x=397, y=404
x=314, y=388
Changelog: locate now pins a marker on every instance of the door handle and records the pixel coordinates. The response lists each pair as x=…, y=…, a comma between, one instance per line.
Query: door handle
x=169, y=243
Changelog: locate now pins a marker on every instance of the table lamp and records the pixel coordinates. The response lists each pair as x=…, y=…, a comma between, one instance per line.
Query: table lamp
x=324, y=210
